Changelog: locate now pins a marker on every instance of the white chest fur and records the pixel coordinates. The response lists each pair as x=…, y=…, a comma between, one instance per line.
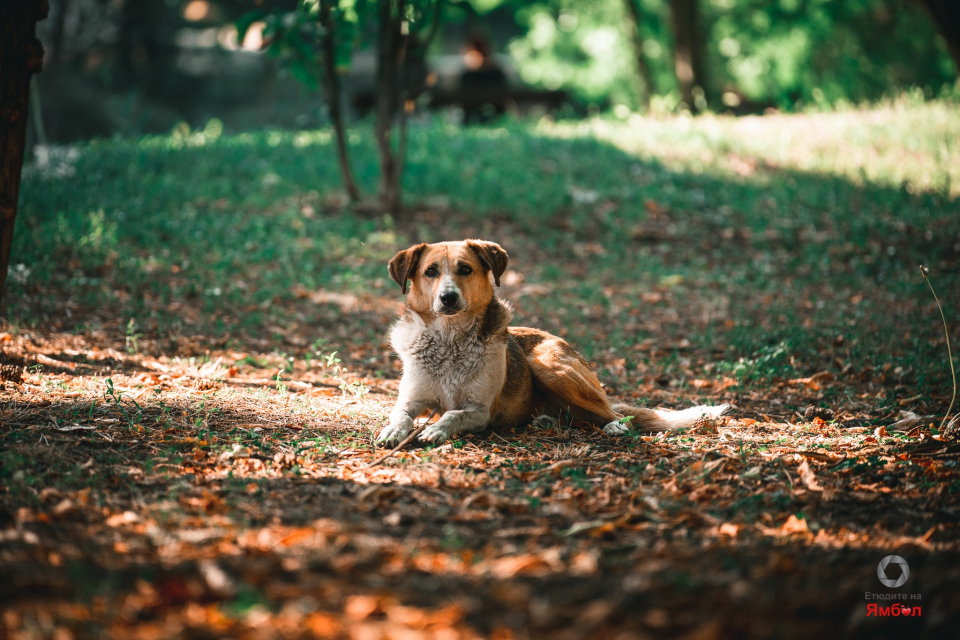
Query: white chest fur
x=450, y=362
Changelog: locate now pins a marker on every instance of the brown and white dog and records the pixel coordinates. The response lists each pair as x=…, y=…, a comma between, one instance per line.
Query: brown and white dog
x=461, y=357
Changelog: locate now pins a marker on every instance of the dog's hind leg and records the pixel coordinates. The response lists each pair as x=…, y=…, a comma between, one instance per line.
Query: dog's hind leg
x=568, y=383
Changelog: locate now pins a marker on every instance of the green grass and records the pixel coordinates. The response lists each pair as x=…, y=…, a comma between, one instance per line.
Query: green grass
x=787, y=241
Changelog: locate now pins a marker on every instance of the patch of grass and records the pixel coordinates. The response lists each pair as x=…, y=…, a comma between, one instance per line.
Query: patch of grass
x=789, y=242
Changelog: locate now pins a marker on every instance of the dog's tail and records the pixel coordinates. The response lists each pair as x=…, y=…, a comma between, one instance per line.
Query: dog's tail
x=664, y=420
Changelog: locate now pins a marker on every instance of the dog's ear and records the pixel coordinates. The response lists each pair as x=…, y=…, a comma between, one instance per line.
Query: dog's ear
x=492, y=256
x=405, y=263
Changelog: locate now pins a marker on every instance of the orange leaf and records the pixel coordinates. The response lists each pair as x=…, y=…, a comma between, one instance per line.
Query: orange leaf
x=794, y=525
x=360, y=607
x=510, y=566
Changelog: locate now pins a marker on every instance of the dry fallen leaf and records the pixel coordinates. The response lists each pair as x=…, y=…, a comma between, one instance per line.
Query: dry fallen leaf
x=808, y=477
x=510, y=566
x=361, y=606
x=813, y=382
x=818, y=455
x=120, y=519
x=149, y=378
x=908, y=420
x=794, y=525
x=584, y=563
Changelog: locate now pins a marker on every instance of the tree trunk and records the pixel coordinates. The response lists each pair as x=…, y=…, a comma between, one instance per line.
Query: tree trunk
x=946, y=15
x=688, y=52
x=411, y=57
x=389, y=58
x=646, y=91
x=332, y=87
x=56, y=39
x=21, y=56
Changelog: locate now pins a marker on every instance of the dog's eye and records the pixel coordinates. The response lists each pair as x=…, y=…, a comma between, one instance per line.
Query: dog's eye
x=464, y=270
x=431, y=272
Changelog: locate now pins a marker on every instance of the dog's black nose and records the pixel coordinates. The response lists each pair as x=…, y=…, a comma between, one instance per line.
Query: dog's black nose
x=448, y=299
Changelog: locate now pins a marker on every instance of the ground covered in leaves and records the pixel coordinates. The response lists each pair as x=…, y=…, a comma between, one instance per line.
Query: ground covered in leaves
x=158, y=497
x=191, y=389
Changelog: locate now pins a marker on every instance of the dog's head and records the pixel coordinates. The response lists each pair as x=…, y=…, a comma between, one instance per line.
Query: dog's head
x=450, y=277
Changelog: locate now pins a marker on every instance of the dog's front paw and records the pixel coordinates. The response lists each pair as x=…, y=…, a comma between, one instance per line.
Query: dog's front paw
x=435, y=434
x=616, y=428
x=396, y=431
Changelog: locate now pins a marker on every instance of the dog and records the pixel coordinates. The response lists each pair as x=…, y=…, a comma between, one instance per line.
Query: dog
x=461, y=356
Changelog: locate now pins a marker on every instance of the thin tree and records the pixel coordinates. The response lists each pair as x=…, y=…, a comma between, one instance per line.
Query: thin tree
x=21, y=56
x=403, y=35
x=307, y=36
x=334, y=94
x=390, y=49
x=636, y=37
x=688, y=50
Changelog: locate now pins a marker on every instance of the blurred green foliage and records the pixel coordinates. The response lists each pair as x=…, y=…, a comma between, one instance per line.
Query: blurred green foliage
x=821, y=52
x=139, y=67
x=577, y=45
x=783, y=54
x=294, y=34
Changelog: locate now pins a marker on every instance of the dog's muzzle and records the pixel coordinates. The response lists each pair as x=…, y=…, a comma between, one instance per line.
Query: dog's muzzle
x=449, y=303
x=449, y=300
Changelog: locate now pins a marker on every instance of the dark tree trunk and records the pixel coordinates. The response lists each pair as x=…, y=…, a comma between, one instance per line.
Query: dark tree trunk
x=56, y=38
x=946, y=15
x=412, y=69
x=688, y=50
x=332, y=86
x=390, y=45
x=395, y=80
x=389, y=49
x=646, y=91
x=145, y=45
x=51, y=67
x=21, y=56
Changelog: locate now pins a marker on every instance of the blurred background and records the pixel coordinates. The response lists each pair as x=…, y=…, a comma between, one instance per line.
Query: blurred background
x=134, y=67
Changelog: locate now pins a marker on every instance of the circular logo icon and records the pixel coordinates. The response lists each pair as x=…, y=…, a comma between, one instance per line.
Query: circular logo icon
x=882, y=571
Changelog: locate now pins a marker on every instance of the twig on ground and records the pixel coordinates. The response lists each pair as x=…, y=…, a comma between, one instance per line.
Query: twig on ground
x=924, y=271
x=306, y=386
x=783, y=468
x=405, y=442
